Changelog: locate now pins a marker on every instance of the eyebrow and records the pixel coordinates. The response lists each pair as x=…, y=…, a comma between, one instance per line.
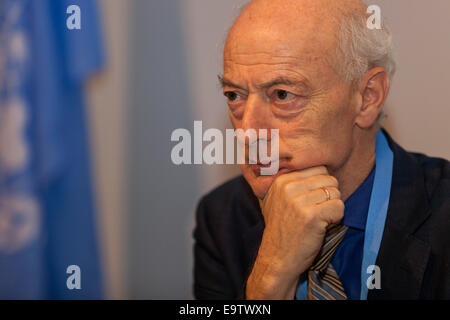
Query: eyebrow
x=274, y=82
x=277, y=81
x=226, y=82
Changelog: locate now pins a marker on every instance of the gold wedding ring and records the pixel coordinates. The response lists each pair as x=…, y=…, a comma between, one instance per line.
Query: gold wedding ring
x=327, y=193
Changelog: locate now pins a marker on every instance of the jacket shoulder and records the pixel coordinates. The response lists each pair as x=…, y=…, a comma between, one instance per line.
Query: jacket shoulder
x=228, y=191
x=436, y=176
x=233, y=197
x=222, y=253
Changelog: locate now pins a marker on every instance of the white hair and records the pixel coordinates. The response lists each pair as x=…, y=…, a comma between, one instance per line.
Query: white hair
x=361, y=49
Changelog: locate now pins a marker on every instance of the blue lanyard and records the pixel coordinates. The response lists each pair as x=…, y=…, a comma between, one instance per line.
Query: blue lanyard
x=378, y=207
x=376, y=217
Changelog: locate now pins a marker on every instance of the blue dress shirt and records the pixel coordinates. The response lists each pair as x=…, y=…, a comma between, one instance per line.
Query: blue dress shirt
x=347, y=259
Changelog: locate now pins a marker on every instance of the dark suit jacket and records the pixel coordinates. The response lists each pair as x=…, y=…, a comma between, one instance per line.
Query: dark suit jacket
x=414, y=252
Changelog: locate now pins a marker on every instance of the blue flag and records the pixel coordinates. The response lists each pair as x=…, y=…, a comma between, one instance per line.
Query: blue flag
x=48, y=240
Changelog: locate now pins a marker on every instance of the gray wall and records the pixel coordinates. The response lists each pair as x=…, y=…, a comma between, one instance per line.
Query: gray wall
x=419, y=104
x=160, y=194
x=171, y=85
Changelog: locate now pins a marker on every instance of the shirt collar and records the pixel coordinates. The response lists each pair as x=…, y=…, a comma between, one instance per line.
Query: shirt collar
x=357, y=205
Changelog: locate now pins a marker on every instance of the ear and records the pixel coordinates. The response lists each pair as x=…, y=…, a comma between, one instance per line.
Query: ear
x=374, y=88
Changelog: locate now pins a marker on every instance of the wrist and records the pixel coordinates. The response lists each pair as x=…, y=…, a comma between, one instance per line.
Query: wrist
x=269, y=281
x=279, y=268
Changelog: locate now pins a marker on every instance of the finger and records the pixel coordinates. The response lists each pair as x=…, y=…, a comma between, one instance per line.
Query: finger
x=302, y=174
x=297, y=187
x=331, y=211
x=318, y=196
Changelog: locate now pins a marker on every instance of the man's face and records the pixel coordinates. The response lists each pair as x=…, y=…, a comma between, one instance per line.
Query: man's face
x=279, y=77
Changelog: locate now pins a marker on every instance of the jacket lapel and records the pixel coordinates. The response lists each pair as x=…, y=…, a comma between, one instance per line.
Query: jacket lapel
x=403, y=257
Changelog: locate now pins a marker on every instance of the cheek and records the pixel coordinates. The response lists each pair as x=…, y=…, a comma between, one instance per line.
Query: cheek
x=308, y=151
x=337, y=132
x=320, y=138
x=234, y=121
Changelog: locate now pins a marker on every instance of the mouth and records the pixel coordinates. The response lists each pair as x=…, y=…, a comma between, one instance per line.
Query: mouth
x=260, y=165
x=283, y=167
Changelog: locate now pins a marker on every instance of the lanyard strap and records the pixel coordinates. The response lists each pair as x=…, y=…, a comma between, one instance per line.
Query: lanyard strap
x=376, y=217
x=378, y=207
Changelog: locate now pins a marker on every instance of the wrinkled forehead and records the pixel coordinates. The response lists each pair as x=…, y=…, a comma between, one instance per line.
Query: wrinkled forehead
x=271, y=32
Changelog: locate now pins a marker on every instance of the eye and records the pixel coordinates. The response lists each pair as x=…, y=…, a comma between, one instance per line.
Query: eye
x=232, y=96
x=283, y=95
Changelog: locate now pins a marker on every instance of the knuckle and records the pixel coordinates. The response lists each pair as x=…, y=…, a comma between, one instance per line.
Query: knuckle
x=333, y=181
x=284, y=188
x=308, y=215
x=340, y=206
x=303, y=198
x=326, y=180
x=293, y=205
x=336, y=193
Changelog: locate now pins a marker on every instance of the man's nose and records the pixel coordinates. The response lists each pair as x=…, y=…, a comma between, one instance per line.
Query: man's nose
x=256, y=113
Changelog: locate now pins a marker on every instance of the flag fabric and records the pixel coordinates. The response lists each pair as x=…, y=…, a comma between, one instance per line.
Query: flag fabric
x=47, y=207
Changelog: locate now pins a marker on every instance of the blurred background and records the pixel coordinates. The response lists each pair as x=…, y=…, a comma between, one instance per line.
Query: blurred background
x=86, y=118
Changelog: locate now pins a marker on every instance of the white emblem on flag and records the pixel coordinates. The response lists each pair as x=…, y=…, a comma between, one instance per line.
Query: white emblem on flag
x=19, y=209
x=19, y=222
x=13, y=148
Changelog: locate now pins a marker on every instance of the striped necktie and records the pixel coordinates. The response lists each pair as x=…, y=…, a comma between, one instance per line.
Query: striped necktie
x=323, y=281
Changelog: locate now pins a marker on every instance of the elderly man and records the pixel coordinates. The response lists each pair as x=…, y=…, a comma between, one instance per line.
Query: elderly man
x=350, y=214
